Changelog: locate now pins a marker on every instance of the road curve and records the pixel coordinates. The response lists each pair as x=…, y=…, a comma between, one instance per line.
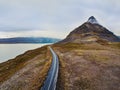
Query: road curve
x=51, y=79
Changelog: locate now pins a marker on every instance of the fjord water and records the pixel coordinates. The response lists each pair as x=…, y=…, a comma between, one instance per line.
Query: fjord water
x=9, y=51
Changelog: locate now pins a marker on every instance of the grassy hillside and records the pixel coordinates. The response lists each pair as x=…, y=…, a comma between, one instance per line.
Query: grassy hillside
x=83, y=66
x=26, y=71
x=90, y=66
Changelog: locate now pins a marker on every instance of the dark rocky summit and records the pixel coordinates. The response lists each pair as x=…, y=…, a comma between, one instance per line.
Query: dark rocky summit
x=91, y=31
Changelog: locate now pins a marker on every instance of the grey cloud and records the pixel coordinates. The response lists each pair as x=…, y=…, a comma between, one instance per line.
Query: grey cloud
x=56, y=15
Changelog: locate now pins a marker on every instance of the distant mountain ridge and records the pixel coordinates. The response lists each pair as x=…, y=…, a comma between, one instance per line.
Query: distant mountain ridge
x=91, y=31
x=29, y=40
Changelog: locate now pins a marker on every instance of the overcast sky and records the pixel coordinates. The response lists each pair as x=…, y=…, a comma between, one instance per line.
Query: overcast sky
x=55, y=18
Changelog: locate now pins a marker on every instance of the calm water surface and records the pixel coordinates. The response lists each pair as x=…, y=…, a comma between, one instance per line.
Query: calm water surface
x=9, y=51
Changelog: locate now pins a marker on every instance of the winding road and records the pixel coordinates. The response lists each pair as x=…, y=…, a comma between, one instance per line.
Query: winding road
x=51, y=79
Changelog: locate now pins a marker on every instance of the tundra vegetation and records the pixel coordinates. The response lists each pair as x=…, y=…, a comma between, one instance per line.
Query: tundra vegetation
x=91, y=66
x=27, y=71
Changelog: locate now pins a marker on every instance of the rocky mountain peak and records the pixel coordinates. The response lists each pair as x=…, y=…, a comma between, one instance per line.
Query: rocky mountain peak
x=91, y=31
x=92, y=20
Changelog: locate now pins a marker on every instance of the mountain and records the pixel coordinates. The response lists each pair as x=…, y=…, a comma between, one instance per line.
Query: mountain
x=28, y=40
x=91, y=31
x=82, y=66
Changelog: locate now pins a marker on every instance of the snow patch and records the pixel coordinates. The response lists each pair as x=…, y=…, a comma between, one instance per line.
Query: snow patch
x=92, y=20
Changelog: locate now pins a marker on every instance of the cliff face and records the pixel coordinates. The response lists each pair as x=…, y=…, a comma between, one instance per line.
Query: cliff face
x=91, y=31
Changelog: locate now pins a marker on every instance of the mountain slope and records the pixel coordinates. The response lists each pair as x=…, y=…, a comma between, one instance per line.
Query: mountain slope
x=28, y=40
x=90, y=31
x=89, y=66
x=26, y=71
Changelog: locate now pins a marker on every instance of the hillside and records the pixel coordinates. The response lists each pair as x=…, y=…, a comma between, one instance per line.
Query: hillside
x=90, y=31
x=89, y=58
x=26, y=71
x=29, y=40
x=90, y=66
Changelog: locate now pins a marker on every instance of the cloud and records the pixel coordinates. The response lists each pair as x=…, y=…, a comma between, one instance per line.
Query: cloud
x=56, y=16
